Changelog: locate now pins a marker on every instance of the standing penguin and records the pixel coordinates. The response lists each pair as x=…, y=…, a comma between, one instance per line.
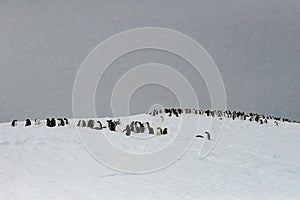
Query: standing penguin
x=151, y=131
x=27, y=122
x=111, y=125
x=48, y=122
x=165, y=131
x=37, y=122
x=208, y=135
x=66, y=121
x=14, y=123
x=98, y=125
x=158, y=131
x=60, y=122
x=53, y=122
x=128, y=130
x=91, y=123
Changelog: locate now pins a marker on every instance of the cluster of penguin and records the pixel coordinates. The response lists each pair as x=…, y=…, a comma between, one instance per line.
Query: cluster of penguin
x=252, y=117
x=49, y=122
x=140, y=127
x=133, y=127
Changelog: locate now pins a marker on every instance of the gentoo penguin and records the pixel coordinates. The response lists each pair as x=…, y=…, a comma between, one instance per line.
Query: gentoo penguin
x=158, y=131
x=165, y=131
x=208, y=135
x=142, y=128
x=91, y=123
x=137, y=127
x=14, y=123
x=53, y=122
x=27, y=122
x=37, y=122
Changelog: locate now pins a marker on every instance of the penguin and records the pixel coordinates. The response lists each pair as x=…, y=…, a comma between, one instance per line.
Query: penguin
x=60, y=122
x=91, y=123
x=165, y=131
x=132, y=126
x=98, y=125
x=151, y=131
x=158, y=131
x=199, y=136
x=111, y=125
x=128, y=130
x=208, y=135
x=37, y=122
x=53, y=122
x=27, y=122
x=179, y=111
x=66, y=121
x=142, y=128
x=81, y=123
x=118, y=122
x=48, y=122
x=276, y=123
x=137, y=127
x=14, y=123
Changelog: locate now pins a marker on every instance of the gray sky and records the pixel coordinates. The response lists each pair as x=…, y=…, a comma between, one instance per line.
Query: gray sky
x=255, y=44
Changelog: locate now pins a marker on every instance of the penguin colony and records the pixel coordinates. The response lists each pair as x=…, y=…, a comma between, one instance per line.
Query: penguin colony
x=144, y=127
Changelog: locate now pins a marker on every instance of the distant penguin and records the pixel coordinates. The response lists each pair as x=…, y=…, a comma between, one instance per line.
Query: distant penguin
x=98, y=125
x=81, y=123
x=142, y=128
x=53, y=122
x=158, y=131
x=132, y=126
x=14, y=123
x=91, y=123
x=165, y=131
x=111, y=125
x=66, y=121
x=276, y=123
x=27, y=122
x=128, y=130
x=60, y=122
x=151, y=131
x=37, y=122
x=48, y=122
x=208, y=135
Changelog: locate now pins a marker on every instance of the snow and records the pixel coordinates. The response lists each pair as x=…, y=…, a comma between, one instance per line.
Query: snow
x=249, y=161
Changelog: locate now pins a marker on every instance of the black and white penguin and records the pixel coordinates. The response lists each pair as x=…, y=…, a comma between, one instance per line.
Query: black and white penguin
x=91, y=123
x=128, y=130
x=27, y=122
x=60, y=122
x=151, y=131
x=14, y=123
x=276, y=123
x=98, y=125
x=159, y=131
x=53, y=122
x=208, y=135
x=132, y=126
x=165, y=131
x=81, y=123
x=66, y=121
x=48, y=122
x=37, y=122
x=111, y=125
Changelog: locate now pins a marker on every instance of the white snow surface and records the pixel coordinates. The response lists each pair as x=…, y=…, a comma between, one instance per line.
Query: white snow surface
x=249, y=161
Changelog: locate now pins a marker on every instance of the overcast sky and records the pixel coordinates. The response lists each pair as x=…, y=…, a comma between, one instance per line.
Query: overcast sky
x=255, y=44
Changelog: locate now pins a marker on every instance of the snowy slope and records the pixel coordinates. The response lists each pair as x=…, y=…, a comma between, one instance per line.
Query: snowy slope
x=250, y=161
